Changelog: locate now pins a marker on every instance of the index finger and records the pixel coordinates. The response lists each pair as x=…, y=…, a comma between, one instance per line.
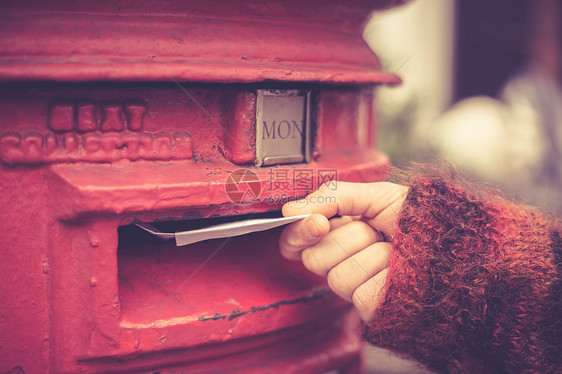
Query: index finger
x=379, y=202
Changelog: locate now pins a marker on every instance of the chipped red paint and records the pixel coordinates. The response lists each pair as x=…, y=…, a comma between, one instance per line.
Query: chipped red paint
x=239, y=137
x=97, y=132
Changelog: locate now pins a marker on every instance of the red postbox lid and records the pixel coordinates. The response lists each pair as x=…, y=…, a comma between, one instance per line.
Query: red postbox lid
x=206, y=41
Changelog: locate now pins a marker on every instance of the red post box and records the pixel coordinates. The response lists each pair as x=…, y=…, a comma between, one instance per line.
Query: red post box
x=115, y=112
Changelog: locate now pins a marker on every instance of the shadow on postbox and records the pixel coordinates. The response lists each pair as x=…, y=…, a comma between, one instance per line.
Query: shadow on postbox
x=180, y=115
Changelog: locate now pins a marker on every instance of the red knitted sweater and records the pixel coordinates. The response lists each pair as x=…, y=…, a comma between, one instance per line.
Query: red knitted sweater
x=474, y=284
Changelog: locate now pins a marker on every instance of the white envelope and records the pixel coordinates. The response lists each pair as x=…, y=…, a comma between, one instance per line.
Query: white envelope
x=223, y=230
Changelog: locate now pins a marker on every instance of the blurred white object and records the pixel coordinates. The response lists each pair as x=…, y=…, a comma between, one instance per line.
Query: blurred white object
x=415, y=41
x=534, y=96
x=484, y=137
x=515, y=141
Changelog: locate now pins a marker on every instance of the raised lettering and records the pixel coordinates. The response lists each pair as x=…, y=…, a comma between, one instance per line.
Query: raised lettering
x=138, y=146
x=298, y=128
x=87, y=117
x=266, y=131
x=182, y=146
x=113, y=145
x=61, y=117
x=32, y=145
x=37, y=148
x=285, y=126
x=51, y=145
x=71, y=142
x=113, y=118
x=10, y=148
x=162, y=145
x=135, y=112
x=92, y=144
x=282, y=130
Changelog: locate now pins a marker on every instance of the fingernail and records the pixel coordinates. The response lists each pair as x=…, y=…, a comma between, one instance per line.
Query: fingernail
x=312, y=228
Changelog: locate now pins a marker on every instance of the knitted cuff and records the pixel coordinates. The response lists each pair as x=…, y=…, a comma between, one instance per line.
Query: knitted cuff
x=474, y=283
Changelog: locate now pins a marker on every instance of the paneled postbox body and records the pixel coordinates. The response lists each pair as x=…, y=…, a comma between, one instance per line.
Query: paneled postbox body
x=174, y=113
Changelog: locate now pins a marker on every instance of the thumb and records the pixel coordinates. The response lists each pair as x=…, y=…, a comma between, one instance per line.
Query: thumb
x=378, y=203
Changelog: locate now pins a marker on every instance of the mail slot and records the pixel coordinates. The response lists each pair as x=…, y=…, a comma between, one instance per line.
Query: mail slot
x=176, y=115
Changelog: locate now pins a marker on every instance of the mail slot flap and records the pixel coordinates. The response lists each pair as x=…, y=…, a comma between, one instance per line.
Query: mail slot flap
x=142, y=186
x=160, y=41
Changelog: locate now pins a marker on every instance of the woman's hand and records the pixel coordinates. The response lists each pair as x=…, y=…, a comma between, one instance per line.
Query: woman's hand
x=352, y=250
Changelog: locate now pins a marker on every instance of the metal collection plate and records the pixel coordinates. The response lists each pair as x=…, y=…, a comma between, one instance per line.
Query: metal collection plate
x=282, y=127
